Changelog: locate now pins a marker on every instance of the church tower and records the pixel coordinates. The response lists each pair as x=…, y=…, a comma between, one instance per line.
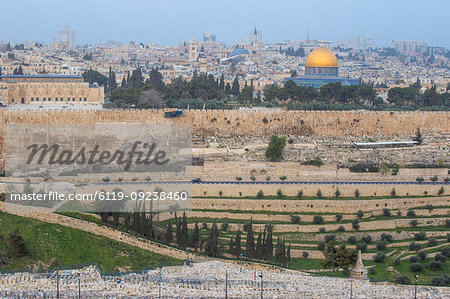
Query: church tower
x=193, y=50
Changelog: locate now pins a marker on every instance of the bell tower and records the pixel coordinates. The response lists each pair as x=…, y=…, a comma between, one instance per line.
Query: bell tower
x=193, y=50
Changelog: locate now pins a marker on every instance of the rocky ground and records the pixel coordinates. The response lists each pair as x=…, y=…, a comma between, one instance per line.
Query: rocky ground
x=332, y=150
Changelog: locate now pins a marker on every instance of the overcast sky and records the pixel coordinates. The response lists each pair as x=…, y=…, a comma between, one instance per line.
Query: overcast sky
x=169, y=21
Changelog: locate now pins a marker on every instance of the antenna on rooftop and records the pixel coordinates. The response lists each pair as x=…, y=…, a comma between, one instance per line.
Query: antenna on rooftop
x=307, y=37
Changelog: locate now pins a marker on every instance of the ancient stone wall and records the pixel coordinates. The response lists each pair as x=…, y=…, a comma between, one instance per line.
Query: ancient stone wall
x=238, y=123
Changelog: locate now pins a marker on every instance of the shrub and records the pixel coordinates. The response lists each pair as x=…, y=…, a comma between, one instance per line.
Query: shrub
x=435, y=265
x=283, y=177
x=274, y=151
x=279, y=193
x=440, y=280
x=411, y=213
x=434, y=178
x=367, y=239
x=379, y=257
x=397, y=261
x=402, y=279
x=106, y=179
x=341, y=229
x=305, y=254
x=337, y=193
x=420, y=236
x=355, y=224
x=413, y=246
x=238, y=178
x=416, y=267
x=204, y=225
x=338, y=217
x=422, y=255
x=321, y=245
x=414, y=223
x=399, y=213
x=300, y=194
x=357, y=193
x=446, y=251
x=432, y=242
x=225, y=226
x=360, y=214
x=429, y=208
x=351, y=240
x=381, y=245
x=440, y=257
x=387, y=212
x=318, y=219
x=253, y=178
x=329, y=238
x=447, y=223
x=317, y=161
x=260, y=194
x=319, y=193
x=415, y=259
x=295, y=219
x=448, y=237
x=361, y=246
x=220, y=193
x=267, y=178
x=386, y=237
x=419, y=180
x=371, y=271
x=441, y=191
x=322, y=230
x=393, y=192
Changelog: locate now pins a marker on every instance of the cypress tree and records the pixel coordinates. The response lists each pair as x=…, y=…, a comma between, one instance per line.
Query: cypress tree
x=212, y=248
x=184, y=232
x=258, y=253
x=235, y=89
x=250, y=245
x=238, y=247
x=195, y=237
x=127, y=221
x=169, y=233
x=222, y=83
x=232, y=246
x=268, y=246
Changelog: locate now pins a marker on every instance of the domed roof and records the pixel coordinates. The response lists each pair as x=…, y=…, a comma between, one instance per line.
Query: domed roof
x=321, y=57
x=239, y=51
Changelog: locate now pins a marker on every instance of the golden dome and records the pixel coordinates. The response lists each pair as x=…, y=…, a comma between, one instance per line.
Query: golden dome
x=321, y=57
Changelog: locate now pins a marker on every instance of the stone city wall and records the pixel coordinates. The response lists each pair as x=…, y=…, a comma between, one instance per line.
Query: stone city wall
x=259, y=123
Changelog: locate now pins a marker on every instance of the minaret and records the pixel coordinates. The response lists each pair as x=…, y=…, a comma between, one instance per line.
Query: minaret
x=193, y=50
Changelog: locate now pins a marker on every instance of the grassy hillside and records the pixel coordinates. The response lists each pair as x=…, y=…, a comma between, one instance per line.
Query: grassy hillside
x=71, y=247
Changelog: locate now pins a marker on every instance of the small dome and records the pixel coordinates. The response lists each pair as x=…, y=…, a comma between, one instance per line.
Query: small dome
x=321, y=57
x=239, y=51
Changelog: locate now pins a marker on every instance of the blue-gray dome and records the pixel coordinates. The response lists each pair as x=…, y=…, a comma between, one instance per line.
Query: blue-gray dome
x=239, y=52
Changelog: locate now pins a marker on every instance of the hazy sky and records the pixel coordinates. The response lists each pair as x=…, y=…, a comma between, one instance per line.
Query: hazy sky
x=169, y=21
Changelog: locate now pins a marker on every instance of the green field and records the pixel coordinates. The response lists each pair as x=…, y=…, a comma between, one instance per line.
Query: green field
x=70, y=246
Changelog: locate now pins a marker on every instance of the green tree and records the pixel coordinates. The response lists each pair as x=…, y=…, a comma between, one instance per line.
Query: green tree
x=250, y=244
x=169, y=233
x=274, y=151
x=235, y=89
x=418, y=136
x=212, y=247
